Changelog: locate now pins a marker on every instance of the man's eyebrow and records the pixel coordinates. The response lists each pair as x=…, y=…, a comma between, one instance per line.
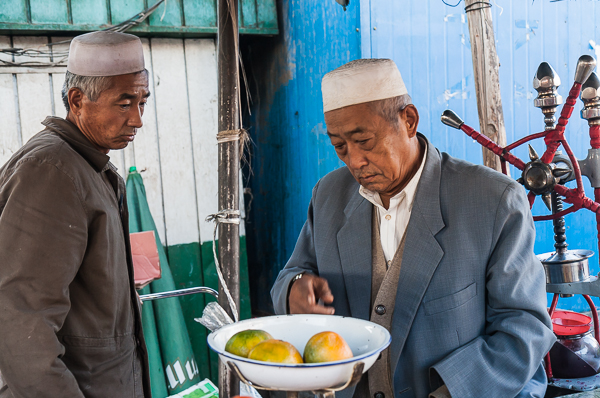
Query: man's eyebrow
x=127, y=96
x=357, y=130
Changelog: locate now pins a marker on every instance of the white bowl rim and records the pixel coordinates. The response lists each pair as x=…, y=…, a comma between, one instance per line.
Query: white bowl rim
x=304, y=365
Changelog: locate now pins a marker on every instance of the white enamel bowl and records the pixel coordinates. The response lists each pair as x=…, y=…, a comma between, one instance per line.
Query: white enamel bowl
x=366, y=340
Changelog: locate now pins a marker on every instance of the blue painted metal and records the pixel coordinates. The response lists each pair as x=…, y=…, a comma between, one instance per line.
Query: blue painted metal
x=292, y=149
x=430, y=43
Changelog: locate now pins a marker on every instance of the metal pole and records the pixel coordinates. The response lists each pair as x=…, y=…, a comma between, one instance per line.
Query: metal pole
x=229, y=158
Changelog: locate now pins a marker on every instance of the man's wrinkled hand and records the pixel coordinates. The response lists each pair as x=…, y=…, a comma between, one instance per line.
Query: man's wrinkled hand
x=306, y=293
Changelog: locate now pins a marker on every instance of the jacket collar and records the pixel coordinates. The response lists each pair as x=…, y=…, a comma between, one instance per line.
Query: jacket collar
x=354, y=238
x=422, y=252
x=75, y=138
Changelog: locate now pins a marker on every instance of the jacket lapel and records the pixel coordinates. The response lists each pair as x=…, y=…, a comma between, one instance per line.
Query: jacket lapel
x=422, y=252
x=354, y=243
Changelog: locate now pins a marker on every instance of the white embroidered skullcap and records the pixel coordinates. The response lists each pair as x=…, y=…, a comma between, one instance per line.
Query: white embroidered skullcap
x=360, y=81
x=105, y=54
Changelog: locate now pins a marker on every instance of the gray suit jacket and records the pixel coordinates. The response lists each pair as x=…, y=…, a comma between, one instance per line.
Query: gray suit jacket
x=471, y=304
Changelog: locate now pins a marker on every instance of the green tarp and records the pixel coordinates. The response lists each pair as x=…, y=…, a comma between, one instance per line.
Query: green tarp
x=176, y=354
x=187, y=265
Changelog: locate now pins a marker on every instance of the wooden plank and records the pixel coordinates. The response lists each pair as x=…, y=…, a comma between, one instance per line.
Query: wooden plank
x=117, y=158
x=248, y=13
x=175, y=141
x=5, y=43
x=172, y=16
x=123, y=10
x=145, y=149
x=487, y=80
x=89, y=12
x=9, y=70
x=202, y=87
x=200, y=13
x=9, y=129
x=266, y=14
x=49, y=11
x=13, y=11
x=58, y=77
x=35, y=101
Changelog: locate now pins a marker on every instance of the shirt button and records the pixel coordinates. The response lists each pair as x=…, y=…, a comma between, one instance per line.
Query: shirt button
x=388, y=217
x=379, y=395
x=380, y=309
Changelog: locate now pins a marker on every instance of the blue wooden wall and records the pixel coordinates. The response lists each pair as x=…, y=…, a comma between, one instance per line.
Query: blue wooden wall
x=430, y=43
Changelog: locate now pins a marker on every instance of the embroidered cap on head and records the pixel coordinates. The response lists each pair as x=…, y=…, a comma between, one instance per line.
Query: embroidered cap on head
x=105, y=54
x=360, y=81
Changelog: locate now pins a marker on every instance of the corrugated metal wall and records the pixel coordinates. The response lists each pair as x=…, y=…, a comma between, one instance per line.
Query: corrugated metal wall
x=292, y=149
x=430, y=43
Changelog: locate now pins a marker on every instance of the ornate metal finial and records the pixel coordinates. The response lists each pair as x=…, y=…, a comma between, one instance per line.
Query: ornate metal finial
x=533, y=156
x=585, y=67
x=545, y=82
x=590, y=95
x=449, y=118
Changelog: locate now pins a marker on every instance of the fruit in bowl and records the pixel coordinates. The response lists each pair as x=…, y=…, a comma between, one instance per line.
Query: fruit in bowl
x=326, y=347
x=242, y=342
x=275, y=351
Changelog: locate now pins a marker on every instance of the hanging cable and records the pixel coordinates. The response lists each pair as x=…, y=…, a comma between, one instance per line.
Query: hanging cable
x=478, y=5
x=452, y=5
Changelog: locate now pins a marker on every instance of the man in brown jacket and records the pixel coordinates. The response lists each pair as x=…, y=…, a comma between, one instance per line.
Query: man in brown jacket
x=70, y=323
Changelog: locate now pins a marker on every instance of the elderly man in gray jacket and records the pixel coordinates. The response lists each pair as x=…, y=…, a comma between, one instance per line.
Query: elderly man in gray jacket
x=437, y=250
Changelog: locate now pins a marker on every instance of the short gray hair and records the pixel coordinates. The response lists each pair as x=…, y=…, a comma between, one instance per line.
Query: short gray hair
x=388, y=108
x=91, y=86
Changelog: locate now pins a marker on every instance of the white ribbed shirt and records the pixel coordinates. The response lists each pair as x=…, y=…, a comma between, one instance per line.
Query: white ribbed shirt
x=394, y=221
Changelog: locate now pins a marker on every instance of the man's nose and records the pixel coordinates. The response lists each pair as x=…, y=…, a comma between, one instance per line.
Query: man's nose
x=356, y=159
x=135, y=118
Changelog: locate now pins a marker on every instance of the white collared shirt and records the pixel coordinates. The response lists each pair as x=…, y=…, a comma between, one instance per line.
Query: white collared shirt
x=394, y=221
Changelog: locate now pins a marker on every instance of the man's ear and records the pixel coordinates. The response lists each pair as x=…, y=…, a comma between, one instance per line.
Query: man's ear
x=411, y=119
x=75, y=97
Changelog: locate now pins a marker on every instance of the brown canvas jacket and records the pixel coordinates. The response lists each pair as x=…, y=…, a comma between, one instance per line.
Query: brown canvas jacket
x=70, y=323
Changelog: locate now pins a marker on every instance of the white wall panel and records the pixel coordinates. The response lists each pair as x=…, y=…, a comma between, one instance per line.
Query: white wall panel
x=201, y=63
x=9, y=128
x=175, y=150
x=175, y=141
x=35, y=101
x=147, y=158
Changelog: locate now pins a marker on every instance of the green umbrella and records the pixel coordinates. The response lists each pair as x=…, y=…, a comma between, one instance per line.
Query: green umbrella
x=180, y=367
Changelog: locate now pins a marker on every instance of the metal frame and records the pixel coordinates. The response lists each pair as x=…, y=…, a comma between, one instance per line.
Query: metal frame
x=357, y=372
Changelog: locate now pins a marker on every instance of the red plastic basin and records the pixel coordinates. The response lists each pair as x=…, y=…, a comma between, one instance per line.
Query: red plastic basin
x=569, y=323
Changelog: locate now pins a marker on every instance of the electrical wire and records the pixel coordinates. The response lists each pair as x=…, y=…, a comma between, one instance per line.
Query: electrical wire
x=450, y=5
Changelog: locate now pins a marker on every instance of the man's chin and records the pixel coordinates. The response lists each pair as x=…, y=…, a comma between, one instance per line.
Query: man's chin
x=371, y=186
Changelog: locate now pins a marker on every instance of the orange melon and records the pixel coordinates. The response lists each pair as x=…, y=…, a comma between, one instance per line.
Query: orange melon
x=275, y=351
x=242, y=342
x=326, y=347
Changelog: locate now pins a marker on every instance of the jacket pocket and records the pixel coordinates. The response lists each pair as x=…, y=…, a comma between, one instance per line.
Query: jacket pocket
x=451, y=301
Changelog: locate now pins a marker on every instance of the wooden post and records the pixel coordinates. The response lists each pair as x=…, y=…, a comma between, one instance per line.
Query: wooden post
x=487, y=81
x=229, y=168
